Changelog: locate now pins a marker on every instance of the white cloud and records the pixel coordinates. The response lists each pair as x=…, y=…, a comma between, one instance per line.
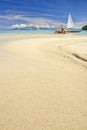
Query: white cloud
x=19, y=26
x=37, y=26
x=36, y=22
x=80, y=24
x=33, y=22
x=11, y=17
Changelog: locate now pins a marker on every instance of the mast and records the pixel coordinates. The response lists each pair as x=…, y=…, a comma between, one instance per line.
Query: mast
x=70, y=23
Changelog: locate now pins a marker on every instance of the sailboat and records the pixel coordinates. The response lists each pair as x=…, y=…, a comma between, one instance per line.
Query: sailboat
x=70, y=27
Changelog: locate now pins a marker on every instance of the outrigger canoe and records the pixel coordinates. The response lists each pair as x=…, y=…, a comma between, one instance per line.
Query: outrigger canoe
x=67, y=31
x=70, y=27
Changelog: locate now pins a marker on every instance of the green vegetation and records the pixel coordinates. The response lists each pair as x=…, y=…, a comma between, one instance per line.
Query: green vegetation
x=84, y=27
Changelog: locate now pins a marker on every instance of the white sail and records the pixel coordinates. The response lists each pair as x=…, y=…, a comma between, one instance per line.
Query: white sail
x=70, y=23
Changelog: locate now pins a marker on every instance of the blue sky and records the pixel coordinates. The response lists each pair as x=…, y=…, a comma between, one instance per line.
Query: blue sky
x=41, y=12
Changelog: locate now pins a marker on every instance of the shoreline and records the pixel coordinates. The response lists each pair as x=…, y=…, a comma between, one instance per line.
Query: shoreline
x=73, y=46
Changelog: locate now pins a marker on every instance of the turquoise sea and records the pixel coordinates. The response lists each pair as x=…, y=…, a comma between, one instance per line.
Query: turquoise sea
x=35, y=32
x=27, y=32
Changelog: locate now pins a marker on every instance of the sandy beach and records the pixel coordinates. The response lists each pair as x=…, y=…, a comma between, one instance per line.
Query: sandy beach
x=43, y=82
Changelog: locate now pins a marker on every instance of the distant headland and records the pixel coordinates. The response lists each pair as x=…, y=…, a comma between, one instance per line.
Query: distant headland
x=84, y=27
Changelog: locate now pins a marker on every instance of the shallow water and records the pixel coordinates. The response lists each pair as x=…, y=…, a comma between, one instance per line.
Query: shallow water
x=27, y=32
x=35, y=32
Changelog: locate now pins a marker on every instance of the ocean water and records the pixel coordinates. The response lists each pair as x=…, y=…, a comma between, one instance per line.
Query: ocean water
x=27, y=32
x=83, y=33
x=35, y=32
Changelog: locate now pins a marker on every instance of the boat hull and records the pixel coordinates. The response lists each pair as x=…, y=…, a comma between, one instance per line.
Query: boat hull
x=59, y=32
x=67, y=31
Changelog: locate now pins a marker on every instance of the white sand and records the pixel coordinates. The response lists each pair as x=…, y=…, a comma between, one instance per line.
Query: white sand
x=43, y=83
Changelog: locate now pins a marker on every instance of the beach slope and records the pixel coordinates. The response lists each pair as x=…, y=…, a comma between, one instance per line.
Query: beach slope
x=43, y=83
